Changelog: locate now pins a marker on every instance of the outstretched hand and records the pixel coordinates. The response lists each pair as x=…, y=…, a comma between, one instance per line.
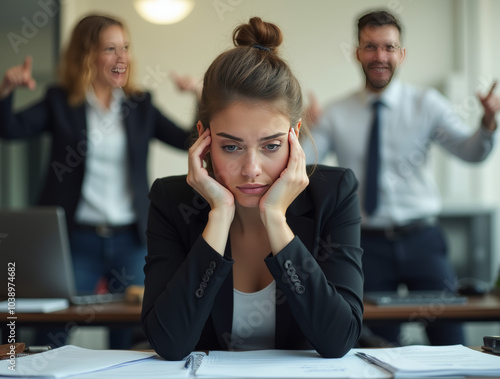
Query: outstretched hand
x=491, y=105
x=312, y=114
x=17, y=76
x=186, y=83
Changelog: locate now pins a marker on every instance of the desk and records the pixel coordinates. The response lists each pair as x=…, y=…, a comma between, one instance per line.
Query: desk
x=110, y=315
x=477, y=308
x=481, y=308
x=253, y=364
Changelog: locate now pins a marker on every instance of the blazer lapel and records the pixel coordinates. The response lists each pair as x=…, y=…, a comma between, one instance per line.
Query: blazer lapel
x=78, y=118
x=130, y=118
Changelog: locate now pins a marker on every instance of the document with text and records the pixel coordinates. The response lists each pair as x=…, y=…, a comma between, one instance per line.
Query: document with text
x=398, y=362
x=285, y=364
x=68, y=360
x=428, y=361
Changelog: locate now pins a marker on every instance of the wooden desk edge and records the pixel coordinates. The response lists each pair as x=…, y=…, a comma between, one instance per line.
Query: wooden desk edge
x=484, y=308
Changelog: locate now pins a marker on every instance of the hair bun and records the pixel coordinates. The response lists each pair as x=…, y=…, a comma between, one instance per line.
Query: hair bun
x=258, y=32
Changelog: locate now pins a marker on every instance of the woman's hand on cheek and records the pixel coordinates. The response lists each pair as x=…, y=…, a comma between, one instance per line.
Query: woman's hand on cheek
x=198, y=177
x=292, y=181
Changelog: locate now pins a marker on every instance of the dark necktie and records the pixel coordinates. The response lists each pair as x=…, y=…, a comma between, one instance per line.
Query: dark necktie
x=373, y=163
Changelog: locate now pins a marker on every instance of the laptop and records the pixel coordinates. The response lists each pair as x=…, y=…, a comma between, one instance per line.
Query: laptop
x=36, y=241
x=413, y=298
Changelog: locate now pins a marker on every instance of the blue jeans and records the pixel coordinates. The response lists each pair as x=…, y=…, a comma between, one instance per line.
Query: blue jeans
x=119, y=259
x=419, y=260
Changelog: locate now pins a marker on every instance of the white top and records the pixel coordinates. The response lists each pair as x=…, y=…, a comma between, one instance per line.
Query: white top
x=106, y=191
x=254, y=319
x=410, y=119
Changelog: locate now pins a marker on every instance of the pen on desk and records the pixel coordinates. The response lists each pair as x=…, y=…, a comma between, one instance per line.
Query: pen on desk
x=374, y=361
x=188, y=362
x=366, y=357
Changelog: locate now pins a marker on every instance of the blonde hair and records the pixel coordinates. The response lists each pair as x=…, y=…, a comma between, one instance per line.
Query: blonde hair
x=77, y=64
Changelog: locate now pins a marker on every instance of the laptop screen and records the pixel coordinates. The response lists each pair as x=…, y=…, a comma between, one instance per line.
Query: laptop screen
x=35, y=240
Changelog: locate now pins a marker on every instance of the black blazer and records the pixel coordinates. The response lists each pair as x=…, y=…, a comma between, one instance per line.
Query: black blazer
x=68, y=128
x=319, y=281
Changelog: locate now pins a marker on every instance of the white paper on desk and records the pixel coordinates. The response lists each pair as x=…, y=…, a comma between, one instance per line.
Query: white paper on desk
x=285, y=364
x=69, y=360
x=427, y=361
x=24, y=305
x=150, y=368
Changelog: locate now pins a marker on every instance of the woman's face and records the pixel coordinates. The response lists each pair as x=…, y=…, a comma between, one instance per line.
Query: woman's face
x=112, y=58
x=249, y=149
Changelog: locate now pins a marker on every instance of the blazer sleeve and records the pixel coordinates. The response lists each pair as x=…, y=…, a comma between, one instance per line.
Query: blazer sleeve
x=28, y=123
x=324, y=285
x=181, y=280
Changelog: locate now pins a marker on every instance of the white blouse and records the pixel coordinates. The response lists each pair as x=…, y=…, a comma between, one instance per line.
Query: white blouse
x=106, y=191
x=254, y=319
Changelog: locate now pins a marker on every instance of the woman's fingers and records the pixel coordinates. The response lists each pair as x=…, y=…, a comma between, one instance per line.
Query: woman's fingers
x=291, y=182
x=200, y=148
x=297, y=162
x=27, y=79
x=18, y=76
x=199, y=178
x=196, y=156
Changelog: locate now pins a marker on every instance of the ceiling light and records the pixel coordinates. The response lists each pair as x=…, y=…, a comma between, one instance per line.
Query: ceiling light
x=163, y=11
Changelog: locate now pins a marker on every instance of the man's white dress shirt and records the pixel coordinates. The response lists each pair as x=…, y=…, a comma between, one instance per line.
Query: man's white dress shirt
x=410, y=120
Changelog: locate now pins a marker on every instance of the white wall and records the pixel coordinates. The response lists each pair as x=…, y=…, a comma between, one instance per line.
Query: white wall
x=450, y=45
x=319, y=38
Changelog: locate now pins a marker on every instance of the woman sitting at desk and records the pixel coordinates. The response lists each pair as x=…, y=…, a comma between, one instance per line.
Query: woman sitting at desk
x=247, y=251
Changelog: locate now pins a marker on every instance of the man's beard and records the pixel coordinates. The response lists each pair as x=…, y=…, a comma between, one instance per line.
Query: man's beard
x=378, y=84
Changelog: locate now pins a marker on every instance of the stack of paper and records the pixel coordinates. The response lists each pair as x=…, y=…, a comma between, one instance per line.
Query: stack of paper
x=69, y=360
x=429, y=361
x=35, y=305
x=402, y=362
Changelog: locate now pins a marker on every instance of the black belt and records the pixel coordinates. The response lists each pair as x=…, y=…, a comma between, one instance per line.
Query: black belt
x=105, y=230
x=398, y=231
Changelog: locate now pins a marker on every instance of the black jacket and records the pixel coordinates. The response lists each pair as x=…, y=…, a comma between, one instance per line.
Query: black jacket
x=321, y=307
x=68, y=128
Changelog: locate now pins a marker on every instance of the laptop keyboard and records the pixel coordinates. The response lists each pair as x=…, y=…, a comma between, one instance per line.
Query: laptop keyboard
x=101, y=298
x=413, y=298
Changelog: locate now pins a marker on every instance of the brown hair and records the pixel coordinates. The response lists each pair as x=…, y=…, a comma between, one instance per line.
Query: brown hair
x=251, y=71
x=379, y=18
x=77, y=63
